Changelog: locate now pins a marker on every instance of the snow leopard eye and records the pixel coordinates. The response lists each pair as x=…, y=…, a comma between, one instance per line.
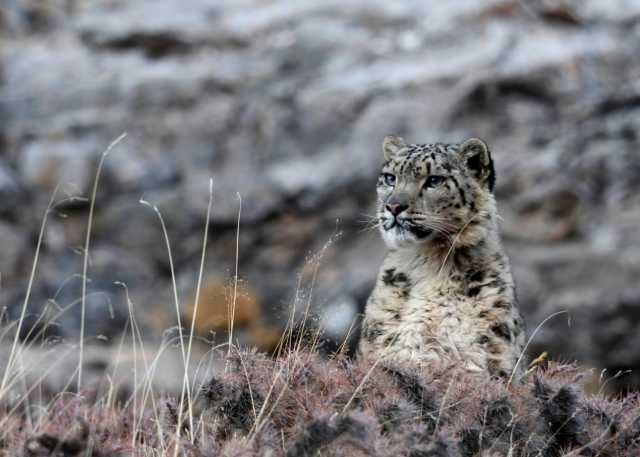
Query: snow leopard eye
x=434, y=181
x=389, y=179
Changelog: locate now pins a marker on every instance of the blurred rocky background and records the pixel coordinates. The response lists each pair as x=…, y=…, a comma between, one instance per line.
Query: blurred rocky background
x=284, y=105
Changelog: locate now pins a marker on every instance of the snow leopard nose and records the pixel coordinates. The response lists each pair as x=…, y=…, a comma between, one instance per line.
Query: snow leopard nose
x=396, y=208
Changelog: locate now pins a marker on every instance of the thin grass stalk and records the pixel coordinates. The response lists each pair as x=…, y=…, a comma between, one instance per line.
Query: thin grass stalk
x=23, y=311
x=185, y=380
x=524, y=350
x=85, y=262
x=174, y=287
x=232, y=312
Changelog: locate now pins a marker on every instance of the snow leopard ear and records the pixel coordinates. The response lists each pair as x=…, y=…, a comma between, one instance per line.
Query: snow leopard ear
x=391, y=145
x=478, y=160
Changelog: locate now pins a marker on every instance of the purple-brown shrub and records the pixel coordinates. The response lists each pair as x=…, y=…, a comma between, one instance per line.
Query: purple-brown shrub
x=302, y=404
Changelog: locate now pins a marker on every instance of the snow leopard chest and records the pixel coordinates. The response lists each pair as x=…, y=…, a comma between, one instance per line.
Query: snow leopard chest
x=419, y=311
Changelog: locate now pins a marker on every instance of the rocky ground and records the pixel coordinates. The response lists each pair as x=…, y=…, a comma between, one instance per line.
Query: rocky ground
x=286, y=103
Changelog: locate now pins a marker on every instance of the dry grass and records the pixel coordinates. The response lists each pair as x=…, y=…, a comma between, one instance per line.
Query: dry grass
x=301, y=404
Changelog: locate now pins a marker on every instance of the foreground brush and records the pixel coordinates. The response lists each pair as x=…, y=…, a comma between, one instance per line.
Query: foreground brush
x=301, y=404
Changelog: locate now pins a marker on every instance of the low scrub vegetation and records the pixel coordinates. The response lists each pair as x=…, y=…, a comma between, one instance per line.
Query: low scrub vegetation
x=303, y=404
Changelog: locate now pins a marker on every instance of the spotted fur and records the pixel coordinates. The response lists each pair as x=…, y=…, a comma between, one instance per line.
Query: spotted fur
x=445, y=289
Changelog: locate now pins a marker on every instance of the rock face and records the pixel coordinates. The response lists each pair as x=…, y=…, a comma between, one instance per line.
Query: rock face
x=286, y=103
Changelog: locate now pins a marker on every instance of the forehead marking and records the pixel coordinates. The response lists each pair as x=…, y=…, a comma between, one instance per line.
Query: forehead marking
x=460, y=190
x=404, y=166
x=420, y=158
x=412, y=163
